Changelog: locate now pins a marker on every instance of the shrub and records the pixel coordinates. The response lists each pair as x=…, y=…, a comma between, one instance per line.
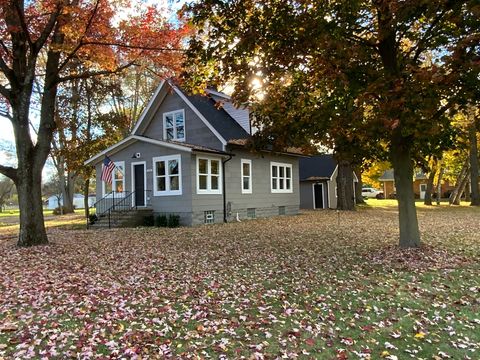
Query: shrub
x=173, y=220
x=92, y=218
x=60, y=211
x=161, y=220
x=148, y=220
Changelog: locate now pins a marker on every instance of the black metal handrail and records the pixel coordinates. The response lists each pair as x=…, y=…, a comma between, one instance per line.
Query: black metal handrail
x=112, y=205
x=107, y=204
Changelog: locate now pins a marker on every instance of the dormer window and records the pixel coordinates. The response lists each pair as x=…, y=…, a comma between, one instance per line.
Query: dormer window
x=174, y=125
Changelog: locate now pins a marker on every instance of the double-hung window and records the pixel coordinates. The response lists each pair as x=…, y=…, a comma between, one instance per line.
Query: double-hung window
x=118, y=180
x=209, y=176
x=246, y=176
x=167, y=176
x=281, y=177
x=174, y=125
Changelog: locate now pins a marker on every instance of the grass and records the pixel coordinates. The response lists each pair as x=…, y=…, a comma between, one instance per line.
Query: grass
x=16, y=212
x=392, y=203
x=291, y=287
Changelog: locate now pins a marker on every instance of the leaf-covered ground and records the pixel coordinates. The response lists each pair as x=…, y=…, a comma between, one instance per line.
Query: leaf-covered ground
x=319, y=285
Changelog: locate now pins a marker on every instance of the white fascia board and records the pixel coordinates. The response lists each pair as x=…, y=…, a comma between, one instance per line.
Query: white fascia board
x=334, y=172
x=107, y=150
x=133, y=138
x=149, y=105
x=217, y=93
x=162, y=143
x=199, y=114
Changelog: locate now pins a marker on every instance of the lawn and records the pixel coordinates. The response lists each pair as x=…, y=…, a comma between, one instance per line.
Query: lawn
x=288, y=287
x=9, y=222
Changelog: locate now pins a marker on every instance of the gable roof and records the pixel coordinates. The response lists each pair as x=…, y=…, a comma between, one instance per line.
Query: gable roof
x=222, y=125
x=226, y=125
x=317, y=167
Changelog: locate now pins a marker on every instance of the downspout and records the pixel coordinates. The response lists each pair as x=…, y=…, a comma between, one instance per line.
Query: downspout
x=224, y=188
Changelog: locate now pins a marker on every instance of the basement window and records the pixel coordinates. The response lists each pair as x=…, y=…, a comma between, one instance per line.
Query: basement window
x=209, y=217
x=281, y=210
x=251, y=213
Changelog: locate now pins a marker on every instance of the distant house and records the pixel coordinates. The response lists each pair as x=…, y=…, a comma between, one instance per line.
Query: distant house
x=318, y=182
x=78, y=201
x=419, y=185
x=187, y=156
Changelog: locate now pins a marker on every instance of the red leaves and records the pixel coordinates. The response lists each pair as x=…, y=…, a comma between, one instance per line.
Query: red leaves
x=292, y=287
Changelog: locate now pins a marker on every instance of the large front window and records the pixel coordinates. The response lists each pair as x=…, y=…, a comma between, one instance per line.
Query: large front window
x=209, y=176
x=174, y=125
x=118, y=180
x=281, y=177
x=167, y=177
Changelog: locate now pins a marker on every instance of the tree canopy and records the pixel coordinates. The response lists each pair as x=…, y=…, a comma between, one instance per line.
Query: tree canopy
x=373, y=76
x=45, y=43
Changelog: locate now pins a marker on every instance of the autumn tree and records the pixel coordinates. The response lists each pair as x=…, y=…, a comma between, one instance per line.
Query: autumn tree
x=405, y=97
x=39, y=42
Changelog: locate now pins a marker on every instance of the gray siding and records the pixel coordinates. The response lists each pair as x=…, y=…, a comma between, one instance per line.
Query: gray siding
x=178, y=204
x=196, y=132
x=332, y=195
x=307, y=195
x=262, y=199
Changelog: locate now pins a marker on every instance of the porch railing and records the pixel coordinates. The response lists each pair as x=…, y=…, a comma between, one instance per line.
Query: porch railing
x=113, y=205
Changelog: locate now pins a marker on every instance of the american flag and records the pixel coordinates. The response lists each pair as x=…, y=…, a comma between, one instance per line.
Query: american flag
x=107, y=170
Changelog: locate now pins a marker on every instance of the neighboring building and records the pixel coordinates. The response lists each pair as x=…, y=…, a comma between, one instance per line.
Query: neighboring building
x=419, y=185
x=78, y=201
x=318, y=182
x=187, y=156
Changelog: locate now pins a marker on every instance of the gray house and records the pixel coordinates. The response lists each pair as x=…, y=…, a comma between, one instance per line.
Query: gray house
x=187, y=156
x=318, y=182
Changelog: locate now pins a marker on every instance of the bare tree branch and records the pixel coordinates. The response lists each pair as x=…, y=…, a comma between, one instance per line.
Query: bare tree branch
x=127, y=46
x=23, y=24
x=4, y=47
x=7, y=94
x=9, y=172
x=6, y=115
x=80, y=42
x=6, y=70
x=47, y=29
x=89, y=74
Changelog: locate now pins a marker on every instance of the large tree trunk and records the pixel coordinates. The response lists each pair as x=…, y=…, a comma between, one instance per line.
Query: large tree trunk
x=475, y=191
x=29, y=188
x=431, y=179
x=403, y=173
x=439, y=183
x=86, y=187
x=345, y=196
x=358, y=187
x=460, y=184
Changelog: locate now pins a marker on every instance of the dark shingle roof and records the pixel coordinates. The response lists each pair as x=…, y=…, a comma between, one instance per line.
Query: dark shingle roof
x=317, y=167
x=226, y=126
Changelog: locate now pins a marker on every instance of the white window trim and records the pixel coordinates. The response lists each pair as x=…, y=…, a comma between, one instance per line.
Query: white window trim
x=118, y=164
x=249, y=162
x=281, y=191
x=174, y=127
x=209, y=176
x=167, y=192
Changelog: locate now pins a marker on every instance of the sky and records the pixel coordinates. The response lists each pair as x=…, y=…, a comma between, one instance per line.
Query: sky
x=7, y=139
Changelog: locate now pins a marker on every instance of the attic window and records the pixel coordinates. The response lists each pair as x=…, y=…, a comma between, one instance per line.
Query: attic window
x=174, y=125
